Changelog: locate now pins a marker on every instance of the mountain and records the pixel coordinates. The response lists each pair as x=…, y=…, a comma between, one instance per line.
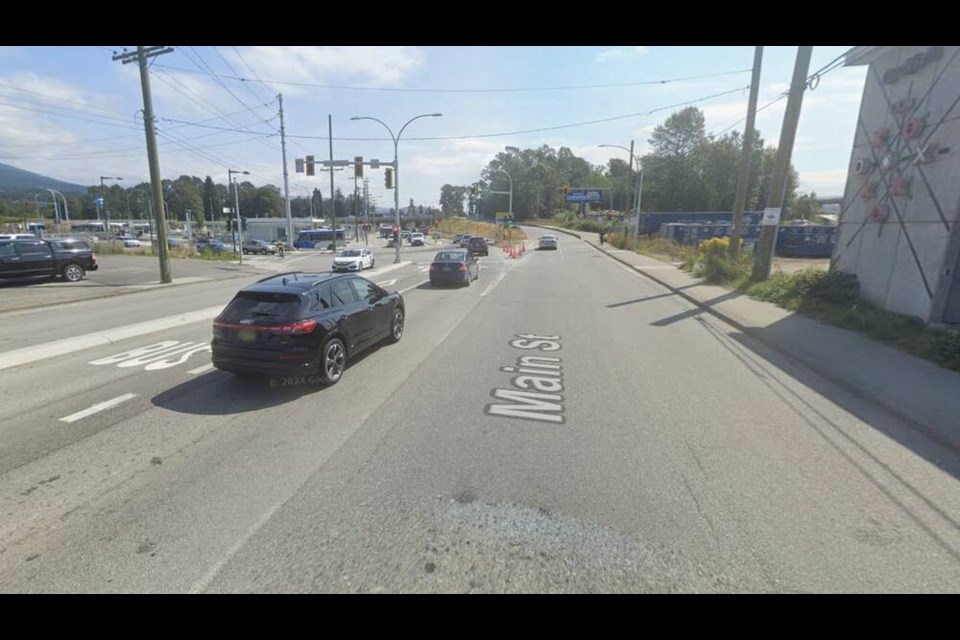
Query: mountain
x=15, y=181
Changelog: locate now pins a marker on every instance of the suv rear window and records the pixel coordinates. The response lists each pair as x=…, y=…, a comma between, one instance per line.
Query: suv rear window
x=256, y=304
x=68, y=245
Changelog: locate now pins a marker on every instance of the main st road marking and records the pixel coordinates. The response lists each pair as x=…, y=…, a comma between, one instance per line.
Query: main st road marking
x=540, y=372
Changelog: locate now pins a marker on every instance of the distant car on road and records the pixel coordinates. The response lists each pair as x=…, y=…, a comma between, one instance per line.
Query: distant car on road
x=354, y=260
x=258, y=246
x=304, y=325
x=465, y=240
x=416, y=239
x=478, y=246
x=216, y=246
x=547, y=242
x=67, y=258
x=455, y=266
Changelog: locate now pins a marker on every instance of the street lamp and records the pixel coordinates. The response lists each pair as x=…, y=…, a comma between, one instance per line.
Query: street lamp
x=238, y=234
x=636, y=233
x=106, y=213
x=396, y=165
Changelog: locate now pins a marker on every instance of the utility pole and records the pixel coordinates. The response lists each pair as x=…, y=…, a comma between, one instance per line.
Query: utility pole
x=778, y=184
x=141, y=56
x=333, y=200
x=741, y=198
x=286, y=185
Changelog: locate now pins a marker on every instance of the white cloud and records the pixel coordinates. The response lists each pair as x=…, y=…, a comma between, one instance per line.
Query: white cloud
x=621, y=52
x=371, y=66
x=824, y=183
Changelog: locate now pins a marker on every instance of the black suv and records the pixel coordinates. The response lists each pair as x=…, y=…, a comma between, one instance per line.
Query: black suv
x=66, y=258
x=304, y=324
x=477, y=246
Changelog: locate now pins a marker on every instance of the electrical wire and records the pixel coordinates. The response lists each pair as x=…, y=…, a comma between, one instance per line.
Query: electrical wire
x=318, y=85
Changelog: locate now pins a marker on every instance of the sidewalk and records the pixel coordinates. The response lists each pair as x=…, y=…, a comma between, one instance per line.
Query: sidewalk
x=918, y=392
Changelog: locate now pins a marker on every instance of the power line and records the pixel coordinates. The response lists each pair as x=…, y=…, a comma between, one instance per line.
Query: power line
x=60, y=99
x=539, y=129
x=63, y=115
x=493, y=90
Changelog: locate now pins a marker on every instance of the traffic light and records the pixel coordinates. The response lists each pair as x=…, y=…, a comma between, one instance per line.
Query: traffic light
x=243, y=223
x=388, y=178
x=309, y=165
x=358, y=166
x=566, y=188
x=298, y=164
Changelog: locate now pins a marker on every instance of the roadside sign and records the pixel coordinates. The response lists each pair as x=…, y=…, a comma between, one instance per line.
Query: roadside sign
x=584, y=195
x=771, y=217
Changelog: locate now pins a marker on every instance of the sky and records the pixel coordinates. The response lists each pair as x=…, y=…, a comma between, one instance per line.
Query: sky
x=74, y=114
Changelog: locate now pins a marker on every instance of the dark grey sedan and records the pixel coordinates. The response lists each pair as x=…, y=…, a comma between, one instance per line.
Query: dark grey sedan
x=456, y=266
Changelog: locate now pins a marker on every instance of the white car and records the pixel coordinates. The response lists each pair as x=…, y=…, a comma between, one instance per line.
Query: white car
x=548, y=242
x=416, y=239
x=129, y=241
x=354, y=260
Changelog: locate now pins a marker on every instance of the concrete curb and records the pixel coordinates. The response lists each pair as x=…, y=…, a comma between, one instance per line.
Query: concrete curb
x=795, y=356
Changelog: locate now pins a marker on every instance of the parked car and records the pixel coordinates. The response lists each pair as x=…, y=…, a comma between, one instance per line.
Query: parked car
x=261, y=247
x=129, y=241
x=176, y=241
x=455, y=266
x=216, y=246
x=416, y=239
x=547, y=242
x=16, y=236
x=304, y=324
x=478, y=246
x=354, y=260
x=66, y=258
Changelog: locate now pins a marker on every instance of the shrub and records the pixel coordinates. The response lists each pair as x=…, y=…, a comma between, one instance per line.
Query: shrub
x=714, y=264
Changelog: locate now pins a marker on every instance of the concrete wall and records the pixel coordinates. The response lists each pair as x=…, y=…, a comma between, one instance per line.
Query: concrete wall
x=878, y=249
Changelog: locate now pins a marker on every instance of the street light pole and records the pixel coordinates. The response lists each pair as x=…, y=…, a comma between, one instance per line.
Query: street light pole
x=236, y=201
x=396, y=166
x=636, y=232
x=106, y=214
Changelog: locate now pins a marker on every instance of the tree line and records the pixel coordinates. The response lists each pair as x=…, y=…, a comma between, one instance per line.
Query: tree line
x=685, y=170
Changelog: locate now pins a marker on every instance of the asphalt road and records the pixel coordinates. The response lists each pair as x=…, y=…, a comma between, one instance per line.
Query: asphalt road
x=562, y=425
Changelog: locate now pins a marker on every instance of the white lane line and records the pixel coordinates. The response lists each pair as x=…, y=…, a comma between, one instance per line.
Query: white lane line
x=97, y=408
x=203, y=369
x=503, y=274
x=387, y=283
x=414, y=286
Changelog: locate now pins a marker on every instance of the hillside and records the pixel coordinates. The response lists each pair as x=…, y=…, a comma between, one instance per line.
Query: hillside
x=15, y=181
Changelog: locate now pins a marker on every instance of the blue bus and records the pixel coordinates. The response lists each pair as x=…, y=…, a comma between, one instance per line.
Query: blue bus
x=316, y=238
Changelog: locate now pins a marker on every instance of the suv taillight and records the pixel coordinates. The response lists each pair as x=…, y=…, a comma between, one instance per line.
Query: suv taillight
x=463, y=267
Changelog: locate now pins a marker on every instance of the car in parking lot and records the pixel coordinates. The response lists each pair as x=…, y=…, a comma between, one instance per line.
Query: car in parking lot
x=547, y=242
x=261, y=247
x=455, y=266
x=416, y=239
x=478, y=246
x=305, y=325
x=354, y=260
x=129, y=241
x=67, y=258
x=214, y=245
x=174, y=242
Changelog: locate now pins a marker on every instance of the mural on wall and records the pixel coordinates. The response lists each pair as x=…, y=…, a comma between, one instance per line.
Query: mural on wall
x=891, y=165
